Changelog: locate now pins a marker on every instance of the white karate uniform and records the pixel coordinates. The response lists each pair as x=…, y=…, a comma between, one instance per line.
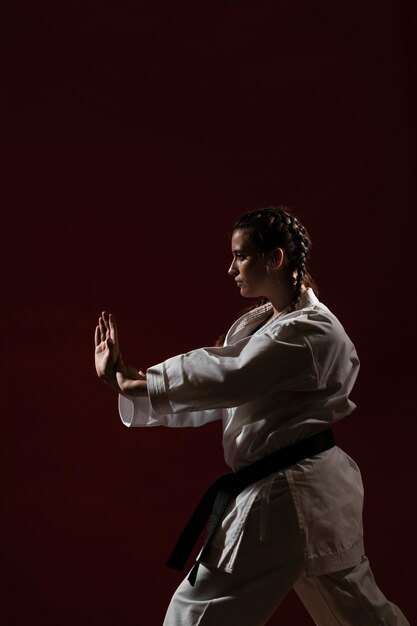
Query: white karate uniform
x=273, y=383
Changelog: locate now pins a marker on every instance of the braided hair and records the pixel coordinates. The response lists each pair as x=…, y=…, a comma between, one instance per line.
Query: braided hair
x=277, y=227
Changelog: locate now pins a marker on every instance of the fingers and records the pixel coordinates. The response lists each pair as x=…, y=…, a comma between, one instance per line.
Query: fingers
x=103, y=329
x=105, y=317
x=97, y=337
x=113, y=328
x=107, y=327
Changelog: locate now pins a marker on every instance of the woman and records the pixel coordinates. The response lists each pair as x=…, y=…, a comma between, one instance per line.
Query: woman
x=290, y=513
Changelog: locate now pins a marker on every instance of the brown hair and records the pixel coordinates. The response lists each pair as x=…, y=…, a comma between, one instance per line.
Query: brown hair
x=277, y=227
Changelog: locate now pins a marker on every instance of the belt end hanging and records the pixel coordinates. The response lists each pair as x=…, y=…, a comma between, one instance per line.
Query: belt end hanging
x=192, y=576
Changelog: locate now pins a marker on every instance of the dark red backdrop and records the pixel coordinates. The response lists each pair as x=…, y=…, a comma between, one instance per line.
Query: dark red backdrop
x=134, y=133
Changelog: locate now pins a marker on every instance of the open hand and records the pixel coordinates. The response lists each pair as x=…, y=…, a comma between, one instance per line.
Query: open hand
x=110, y=368
x=107, y=353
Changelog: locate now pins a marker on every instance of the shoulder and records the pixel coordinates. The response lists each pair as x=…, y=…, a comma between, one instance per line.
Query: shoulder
x=315, y=322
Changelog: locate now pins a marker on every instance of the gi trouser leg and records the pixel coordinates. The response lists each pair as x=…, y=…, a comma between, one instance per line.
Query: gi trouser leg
x=264, y=573
x=348, y=598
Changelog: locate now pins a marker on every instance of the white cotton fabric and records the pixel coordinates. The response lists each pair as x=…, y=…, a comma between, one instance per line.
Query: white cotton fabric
x=266, y=571
x=271, y=386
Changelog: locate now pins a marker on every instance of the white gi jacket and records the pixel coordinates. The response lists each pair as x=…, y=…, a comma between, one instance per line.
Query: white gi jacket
x=272, y=386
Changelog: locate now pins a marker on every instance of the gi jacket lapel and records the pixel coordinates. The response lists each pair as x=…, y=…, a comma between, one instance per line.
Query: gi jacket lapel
x=248, y=323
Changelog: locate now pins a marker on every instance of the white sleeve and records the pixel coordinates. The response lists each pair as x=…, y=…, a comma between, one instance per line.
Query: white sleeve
x=229, y=376
x=135, y=411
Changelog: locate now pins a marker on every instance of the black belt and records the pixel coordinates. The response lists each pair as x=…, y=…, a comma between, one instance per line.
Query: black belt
x=213, y=504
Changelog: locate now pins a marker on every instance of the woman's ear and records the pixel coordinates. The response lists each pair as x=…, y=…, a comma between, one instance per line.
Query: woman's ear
x=277, y=258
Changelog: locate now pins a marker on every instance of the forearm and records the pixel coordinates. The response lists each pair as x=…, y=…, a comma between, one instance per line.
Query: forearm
x=131, y=387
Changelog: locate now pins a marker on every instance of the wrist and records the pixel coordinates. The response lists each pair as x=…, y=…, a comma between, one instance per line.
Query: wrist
x=109, y=376
x=110, y=380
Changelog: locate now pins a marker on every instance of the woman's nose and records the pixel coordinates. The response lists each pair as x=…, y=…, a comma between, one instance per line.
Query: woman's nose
x=232, y=270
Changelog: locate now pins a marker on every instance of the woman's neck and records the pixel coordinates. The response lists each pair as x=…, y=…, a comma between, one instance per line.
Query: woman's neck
x=282, y=298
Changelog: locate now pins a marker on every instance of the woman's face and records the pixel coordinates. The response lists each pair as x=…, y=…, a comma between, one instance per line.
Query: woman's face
x=249, y=267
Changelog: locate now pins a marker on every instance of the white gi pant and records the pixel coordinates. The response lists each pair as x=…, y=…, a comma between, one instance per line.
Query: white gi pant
x=266, y=568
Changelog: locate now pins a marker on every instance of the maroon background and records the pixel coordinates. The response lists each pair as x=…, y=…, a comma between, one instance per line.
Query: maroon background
x=133, y=135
